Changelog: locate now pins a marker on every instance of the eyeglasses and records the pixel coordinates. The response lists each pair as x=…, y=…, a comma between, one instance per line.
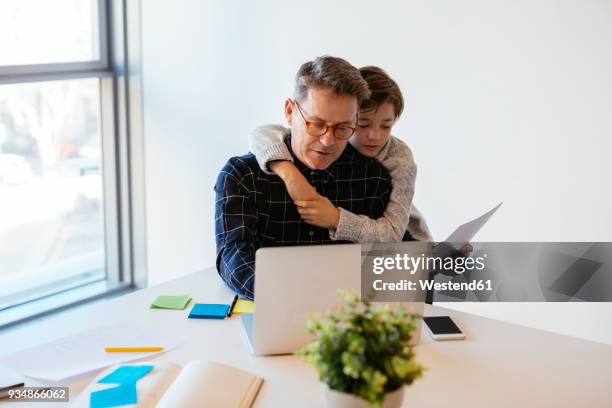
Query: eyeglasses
x=318, y=129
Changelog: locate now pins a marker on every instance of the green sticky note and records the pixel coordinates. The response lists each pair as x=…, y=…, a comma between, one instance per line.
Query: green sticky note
x=171, y=302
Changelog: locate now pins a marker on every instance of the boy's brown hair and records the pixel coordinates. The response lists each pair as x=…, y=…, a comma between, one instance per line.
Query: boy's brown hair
x=382, y=89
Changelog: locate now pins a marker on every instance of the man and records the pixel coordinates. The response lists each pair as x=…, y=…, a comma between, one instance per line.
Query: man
x=254, y=209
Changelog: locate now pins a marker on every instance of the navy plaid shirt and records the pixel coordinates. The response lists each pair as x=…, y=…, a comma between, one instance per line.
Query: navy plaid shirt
x=253, y=209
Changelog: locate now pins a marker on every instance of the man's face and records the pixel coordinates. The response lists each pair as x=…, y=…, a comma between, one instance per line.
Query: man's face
x=325, y=106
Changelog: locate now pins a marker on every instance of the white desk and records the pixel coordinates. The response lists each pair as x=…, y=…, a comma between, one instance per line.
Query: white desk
x=500, y=364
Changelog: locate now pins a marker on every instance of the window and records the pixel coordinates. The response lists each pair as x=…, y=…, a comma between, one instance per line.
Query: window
x=46, y=32
x=62, y=148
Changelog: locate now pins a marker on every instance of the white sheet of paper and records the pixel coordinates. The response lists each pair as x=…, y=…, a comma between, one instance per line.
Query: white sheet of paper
x=465, y=232
x=9, y=378
x=83, y=352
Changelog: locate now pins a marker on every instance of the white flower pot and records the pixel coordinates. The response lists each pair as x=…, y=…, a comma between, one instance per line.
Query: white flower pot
x=337, y=399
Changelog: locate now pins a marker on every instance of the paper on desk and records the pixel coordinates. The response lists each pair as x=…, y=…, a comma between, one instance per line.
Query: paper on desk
x=83, y=352
x=9, y=378
x=465, y=232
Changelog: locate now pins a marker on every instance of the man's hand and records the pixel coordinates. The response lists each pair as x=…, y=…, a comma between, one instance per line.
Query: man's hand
x=320, y=212
x=446, y=250
x=297, y=186
x=466, y=249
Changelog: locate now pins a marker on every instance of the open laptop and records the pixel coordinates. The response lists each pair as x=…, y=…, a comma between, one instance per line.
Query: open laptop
x=291, y=283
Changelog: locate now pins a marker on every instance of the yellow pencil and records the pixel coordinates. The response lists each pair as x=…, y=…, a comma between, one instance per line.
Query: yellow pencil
x=132, y=349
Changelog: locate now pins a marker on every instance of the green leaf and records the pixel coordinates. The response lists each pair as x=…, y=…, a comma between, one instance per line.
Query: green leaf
x=362, y=349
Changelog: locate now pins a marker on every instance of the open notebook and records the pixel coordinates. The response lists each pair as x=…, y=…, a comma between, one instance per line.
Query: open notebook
x=198, y=384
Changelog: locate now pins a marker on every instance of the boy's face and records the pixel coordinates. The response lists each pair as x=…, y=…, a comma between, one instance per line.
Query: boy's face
x=373, y=129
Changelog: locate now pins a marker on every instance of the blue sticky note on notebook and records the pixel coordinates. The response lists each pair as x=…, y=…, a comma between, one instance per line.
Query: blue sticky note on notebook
x=208, y=311
x=123, y=394
x=126, y=374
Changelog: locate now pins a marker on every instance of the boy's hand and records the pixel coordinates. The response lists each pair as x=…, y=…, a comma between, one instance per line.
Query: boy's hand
x=314, y=208
x=320, y=212
x=297, y=186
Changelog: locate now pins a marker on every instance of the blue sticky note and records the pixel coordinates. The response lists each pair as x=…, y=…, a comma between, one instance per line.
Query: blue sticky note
x=123, y=394
x=208, y=311
x=126, y=374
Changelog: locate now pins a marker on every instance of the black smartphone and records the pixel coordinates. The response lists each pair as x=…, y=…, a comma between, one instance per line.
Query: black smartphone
x=443, y=328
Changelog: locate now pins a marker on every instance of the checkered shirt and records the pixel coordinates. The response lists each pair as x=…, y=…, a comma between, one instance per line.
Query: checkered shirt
x=254, y=210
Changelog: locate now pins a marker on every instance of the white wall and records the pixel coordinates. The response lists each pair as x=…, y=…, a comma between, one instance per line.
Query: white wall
x=505, y=101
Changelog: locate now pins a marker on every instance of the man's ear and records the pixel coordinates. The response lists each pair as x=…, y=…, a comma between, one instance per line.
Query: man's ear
x=289, y=111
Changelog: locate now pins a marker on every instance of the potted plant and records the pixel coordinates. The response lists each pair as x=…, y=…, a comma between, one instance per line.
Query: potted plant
x=361, y=353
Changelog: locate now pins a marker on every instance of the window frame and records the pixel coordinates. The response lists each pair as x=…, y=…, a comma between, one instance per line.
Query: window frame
x=17, y=73
x=121, y=131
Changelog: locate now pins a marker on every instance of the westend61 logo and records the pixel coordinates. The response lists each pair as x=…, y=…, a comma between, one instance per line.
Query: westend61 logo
x=404, y=263
x=412, y=264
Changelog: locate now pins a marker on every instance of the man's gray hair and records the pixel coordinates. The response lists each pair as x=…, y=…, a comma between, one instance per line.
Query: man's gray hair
x=333, y=73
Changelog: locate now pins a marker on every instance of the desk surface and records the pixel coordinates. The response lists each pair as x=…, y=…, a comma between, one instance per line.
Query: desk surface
x=499, y=364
